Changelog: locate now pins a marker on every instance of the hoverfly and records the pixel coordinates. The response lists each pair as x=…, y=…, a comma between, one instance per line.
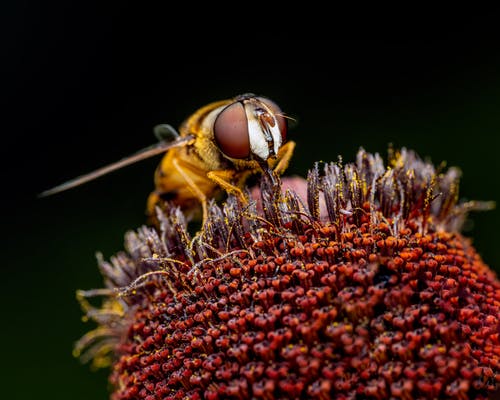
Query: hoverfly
x=216, y=150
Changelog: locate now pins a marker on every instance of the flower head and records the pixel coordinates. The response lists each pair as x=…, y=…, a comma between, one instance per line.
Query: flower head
x=365, y=288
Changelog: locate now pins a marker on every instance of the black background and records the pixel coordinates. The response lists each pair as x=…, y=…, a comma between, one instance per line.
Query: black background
x=82, y=87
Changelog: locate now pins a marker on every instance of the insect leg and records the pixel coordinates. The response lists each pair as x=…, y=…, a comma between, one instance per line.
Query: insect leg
x=222, y=178
x=284, y=155
x=192, y=186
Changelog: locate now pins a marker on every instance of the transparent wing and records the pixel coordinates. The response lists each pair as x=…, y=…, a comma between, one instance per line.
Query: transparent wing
x=165, y=133
x=150, y=151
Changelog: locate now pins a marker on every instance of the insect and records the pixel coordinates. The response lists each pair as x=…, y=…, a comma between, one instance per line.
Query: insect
x=216, y=150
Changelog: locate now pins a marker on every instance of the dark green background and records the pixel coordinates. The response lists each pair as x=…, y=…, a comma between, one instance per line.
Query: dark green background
x=82, y=89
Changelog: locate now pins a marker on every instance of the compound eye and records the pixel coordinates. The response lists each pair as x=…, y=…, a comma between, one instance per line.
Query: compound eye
x=282, y=121
x=231, y=131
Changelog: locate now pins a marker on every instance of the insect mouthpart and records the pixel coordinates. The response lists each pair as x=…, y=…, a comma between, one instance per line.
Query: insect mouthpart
x=268, y=172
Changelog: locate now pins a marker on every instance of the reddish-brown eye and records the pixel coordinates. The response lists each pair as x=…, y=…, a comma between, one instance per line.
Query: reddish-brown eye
x=282, y=122
x=231, y=131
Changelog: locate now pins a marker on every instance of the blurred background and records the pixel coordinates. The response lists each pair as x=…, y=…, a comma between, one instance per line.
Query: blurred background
x=82, y=88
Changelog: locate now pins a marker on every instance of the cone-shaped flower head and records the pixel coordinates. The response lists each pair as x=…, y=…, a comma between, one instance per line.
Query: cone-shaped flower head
x=365, y=289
